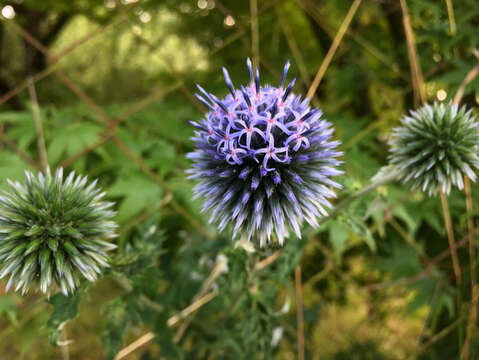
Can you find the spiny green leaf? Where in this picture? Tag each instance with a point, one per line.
(65, 308)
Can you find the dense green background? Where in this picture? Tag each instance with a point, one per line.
(115, 97)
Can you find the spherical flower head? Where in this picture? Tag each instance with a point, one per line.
(53, 232)
(264, 160)
(435, 147)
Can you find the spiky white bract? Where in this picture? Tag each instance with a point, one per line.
(435, 146)
(264, 159)
(53, 232)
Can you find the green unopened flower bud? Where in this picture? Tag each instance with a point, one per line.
(52, 232)
(435, 147)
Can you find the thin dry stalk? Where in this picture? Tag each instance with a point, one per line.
(420, 97)
(299, 312)
(145, 339)
(265, 262)
(470, 225)
(416, 73)
(311, 10)
(450, 15)
(23, 85)
(472, 262)
(42, 150)
(218, 269)
(82, 96)
(65, 351)
(172, 321)
(450, 237)
(196, 304)
(469, 77)
(253, 6)
(332, 49)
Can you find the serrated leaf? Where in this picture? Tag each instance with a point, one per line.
(72, 138)
(138, 193)
(65, 308)
(162, 157)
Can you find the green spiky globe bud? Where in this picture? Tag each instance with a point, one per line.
(53, 232)
(435, 147)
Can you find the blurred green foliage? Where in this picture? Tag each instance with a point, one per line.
(376, 282)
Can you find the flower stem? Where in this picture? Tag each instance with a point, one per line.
(450, 15)
(450, 237)
(471, 75)
(472, 263)
(65, 351)
(332, 49)
(299, 312)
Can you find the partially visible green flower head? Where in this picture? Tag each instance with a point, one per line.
(53, 232)
(435, 147)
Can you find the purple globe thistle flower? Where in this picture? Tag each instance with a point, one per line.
(264, 159)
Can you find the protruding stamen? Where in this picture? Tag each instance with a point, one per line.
(229, 83)
(246, 97)
(288, 89)
(203, 101)
(274, 108)
(204, 93)
(309, 114)
(220, 104)
(256, 80)
(198, 126)
(285, 72)
(250, 69)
